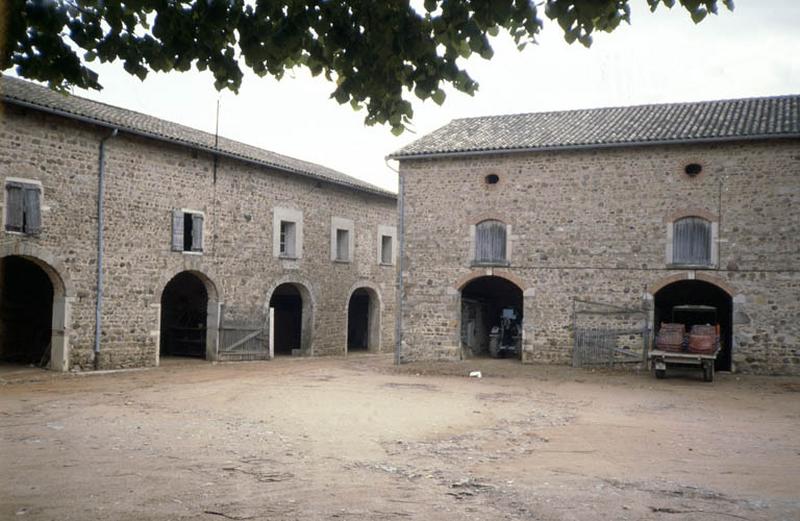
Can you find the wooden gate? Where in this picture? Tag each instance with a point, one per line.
(243, 343)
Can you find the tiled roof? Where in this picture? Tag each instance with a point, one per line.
(20, 92)
(750, 118)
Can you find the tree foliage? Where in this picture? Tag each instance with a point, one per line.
(377, 53)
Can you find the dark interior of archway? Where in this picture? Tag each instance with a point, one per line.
(698, 292)
(184, 309)
(358, 321)
(26, 312)
(482, 302)
(288, 319)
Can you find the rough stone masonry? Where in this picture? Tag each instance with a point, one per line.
(590, 200)
(154, 168)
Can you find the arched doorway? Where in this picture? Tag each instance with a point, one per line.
(290, 305)
(487, 303)
(691, 302)
(363, 320)
(26, 312)
(184, 316)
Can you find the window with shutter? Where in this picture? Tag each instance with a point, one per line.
(32, 210)
(342, 245)
(197, 232)
(490, 242)
(691, 241)
(187, 231)
(287, 239)
(23, 207)
(14, 208)
(386, 249)
(177, 230)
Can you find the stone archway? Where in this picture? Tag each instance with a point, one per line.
(698, 298)
(488, 302)
(61, 297)
(188, 301)
(363, 312)
(290, 317)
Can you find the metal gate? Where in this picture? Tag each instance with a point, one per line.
(605, 334)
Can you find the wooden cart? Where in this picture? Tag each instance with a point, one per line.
(660, 360)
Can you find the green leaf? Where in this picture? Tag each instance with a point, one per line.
(377, 69)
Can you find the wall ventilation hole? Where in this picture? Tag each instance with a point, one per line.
(492, 179)
(693, 169)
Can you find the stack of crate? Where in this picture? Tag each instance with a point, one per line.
(671, 337)
(703, 339)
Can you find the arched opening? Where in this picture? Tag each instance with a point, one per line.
(363, 321)
(692, 302)
(491, 318)
(290, 306)
(26, 312)
(184, 316)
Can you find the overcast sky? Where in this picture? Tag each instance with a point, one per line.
(661, 57)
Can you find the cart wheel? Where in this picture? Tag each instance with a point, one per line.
(661, 373)
(708, 372)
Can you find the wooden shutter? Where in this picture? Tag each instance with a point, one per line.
(197, 232)
(14, 207)
(32, 210)
(490, 242)
(177, 230)
(691, 242)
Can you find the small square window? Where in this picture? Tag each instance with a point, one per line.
(187, 231)
(387, 255)
(287, 233)
(288, 239)
(23, 207)
(342, 245)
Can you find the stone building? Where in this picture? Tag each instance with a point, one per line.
(209, 247)
(606, 222)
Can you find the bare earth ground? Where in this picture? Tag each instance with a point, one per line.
(357, 438)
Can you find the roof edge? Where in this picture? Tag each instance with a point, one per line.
(589, 146)
(640, 105)
(192, 146)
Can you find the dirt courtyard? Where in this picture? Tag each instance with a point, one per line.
(358, 438)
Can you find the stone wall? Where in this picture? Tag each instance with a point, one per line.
(593, 224)
(145, 181)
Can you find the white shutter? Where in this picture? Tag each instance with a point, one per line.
(177, 230)
(197, 232)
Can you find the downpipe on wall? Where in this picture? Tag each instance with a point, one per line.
(98, 308)
(398, 332)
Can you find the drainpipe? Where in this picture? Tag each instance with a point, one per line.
(398, 334)
(101, 181)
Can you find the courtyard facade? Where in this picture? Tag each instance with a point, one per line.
(654, 209)
(209, 248)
